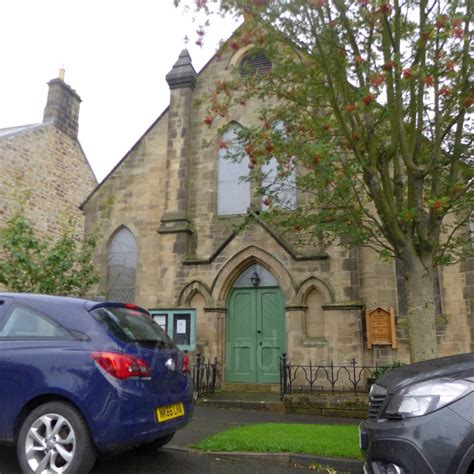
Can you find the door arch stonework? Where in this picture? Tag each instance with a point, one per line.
(226, 277)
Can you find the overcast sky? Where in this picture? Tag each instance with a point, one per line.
(116, 54)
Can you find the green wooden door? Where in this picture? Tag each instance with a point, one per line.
(256, 335)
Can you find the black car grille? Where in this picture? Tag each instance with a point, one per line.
(375, 403)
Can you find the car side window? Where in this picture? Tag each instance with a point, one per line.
(26, 323)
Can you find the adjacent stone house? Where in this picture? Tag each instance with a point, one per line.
(47, 161)
(178, 238)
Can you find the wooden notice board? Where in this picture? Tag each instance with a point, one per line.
(380, 328)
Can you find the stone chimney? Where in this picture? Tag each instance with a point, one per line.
(62, 107)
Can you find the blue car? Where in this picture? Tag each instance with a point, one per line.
(79, 378)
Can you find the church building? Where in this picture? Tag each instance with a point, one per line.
(182, 236)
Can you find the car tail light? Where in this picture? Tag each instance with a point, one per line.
(121, 366)
(185, 363)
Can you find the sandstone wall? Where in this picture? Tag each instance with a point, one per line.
(52, 166)
(204, 255)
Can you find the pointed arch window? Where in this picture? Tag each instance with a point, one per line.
(122, 267)
(233, 188)
(278, 181)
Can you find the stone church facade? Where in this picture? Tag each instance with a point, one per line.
(177, 238)
(46, 161)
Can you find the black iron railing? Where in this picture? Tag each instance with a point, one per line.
(317, 378)
(204, 375)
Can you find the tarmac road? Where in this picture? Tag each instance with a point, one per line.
(174, 459)
(167, 461)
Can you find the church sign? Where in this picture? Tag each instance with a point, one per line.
(380, 328)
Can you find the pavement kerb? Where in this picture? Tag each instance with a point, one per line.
(338, 464)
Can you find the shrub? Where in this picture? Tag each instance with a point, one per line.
(385, 368)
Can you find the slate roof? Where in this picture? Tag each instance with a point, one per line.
(14, 130)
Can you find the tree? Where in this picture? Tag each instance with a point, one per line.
(34, 265)
(376, 98)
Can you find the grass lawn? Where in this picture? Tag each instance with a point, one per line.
(323, 440)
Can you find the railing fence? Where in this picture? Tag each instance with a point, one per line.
(204, 375)
(313, 377)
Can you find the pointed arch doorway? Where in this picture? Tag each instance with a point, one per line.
(255, 328)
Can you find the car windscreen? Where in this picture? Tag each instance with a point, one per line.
(132, 326)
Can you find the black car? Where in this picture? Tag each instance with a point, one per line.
(421, 419)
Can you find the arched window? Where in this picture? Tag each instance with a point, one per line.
(122, 267)
(278, 184)
(233, 191)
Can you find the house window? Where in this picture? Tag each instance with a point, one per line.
(402, 293)
(180, 325)
(233, 190)
(277, 181)
(122, 267)
(254, 62)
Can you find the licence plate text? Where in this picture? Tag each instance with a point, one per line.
(169, 412)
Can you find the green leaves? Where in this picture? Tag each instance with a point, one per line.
(34, 265)
(376, 98)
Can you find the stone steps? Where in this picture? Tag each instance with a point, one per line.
(250, 387)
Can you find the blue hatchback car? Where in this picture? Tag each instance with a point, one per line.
(79, 378)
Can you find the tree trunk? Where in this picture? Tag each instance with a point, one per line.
(421, 309)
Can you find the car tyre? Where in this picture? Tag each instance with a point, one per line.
(55, 436)
(158, 443)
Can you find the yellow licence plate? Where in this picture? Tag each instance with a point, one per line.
(169, 412)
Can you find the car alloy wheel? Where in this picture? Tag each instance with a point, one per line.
(54, 439)
(50, 444)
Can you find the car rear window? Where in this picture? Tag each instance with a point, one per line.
(129, 325)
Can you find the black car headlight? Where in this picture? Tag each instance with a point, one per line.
(425, 397)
